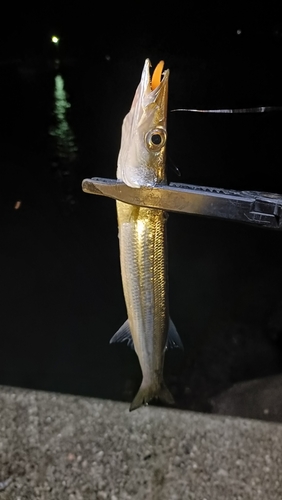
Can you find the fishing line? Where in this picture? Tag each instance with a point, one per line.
(260, 109)
(173, 166)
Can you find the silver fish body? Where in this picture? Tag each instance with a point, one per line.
(142, 239)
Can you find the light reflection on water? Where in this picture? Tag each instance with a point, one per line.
(63, 146)
(61, 130)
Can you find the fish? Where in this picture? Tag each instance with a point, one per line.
(143, 237)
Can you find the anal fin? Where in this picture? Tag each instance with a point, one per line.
(123, 335)
(173, 339)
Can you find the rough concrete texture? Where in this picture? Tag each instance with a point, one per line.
(260, 398)
(61, 447)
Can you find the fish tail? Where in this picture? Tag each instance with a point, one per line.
(147, 392)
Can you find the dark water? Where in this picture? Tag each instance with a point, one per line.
(61, 294)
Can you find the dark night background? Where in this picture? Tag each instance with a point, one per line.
(61, 113)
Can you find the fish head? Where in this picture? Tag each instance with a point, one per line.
(141, 160)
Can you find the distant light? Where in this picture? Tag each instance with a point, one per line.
(55, 39)
(108, 57)
(17, 204)
(239, 32)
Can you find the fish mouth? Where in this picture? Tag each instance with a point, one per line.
(149, 107)
(142, 153)
(157, 75)
(155, 87)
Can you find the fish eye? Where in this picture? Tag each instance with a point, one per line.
(156, 139)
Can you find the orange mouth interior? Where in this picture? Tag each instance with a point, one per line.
(157, 75)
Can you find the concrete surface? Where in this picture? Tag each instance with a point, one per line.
(259, 398)
(62, 447)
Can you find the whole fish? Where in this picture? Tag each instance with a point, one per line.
(142, 236)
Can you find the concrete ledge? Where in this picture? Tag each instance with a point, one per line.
(62, 447)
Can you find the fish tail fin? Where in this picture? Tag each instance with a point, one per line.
(148, 392)
(165, 395)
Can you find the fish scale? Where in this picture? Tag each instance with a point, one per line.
(143, 268)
